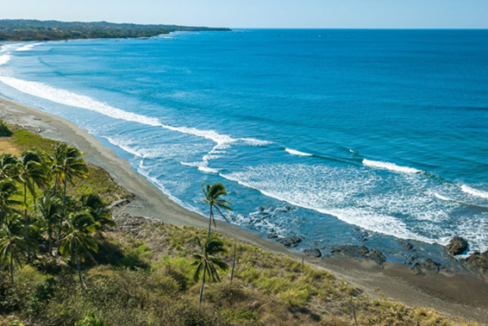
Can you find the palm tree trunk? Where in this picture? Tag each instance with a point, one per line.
(56, 184)
(79, 268)
(64, 195)
(12, 266)
(50, 240)
(203, 281)
(26, 231)
(233, 264)
(209, 225)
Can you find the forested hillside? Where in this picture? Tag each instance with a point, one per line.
(35, 30)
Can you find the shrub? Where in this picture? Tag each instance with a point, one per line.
(4, 130)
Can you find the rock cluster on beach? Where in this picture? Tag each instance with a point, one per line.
(359, 252)
(457, 246)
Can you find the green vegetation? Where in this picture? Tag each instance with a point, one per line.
(89, 268)
(4, 129)
(35, 30)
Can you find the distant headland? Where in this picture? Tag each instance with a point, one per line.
(52, 30)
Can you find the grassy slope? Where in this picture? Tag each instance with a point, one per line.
(142, 276)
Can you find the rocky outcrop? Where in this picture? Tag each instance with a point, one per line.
(430, 266)
(290, 241)
(477, 262)
(313, 253)
(360, 252)
(457, 246)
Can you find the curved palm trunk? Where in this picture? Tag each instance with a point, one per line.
(12, 266)
(203, 281)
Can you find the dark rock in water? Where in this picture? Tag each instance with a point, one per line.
(477, 262)
(272, 235)
(262, 209)
(291, 241)
(313, 253)
(361, 252)
(430, 265)
(406, 245)
(457, 246)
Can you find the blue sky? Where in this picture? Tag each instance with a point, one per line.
(262, 13)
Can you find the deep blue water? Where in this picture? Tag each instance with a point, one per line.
(362, 133)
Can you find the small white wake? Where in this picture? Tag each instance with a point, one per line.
(390, 166)
(475, 192)
(298, 153)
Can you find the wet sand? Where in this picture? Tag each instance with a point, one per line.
(456, 295)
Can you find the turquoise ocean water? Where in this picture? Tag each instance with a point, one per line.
(337, 136)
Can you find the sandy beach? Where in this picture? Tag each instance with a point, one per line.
(457, 295)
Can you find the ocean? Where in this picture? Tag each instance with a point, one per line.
(336, 136)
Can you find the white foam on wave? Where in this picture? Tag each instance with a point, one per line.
(298, 153)
(81, 101)
(397, 205)
(441, 197)
(4, 58)
(124, 147)
(75, 100)
(28, 47)
(474, 192)
(201, 166)
(389, 166)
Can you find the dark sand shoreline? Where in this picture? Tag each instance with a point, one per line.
(455, 295)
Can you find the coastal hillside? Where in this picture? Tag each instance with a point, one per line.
(36, 30)
(71, 255)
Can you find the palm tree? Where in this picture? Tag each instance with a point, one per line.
(50, 208)
(30, 171)
(97, 208)
(13, 243)
(67, 164)
(208, 262)
(212, 197)
(78, 243)
(8, 166)
(7, 190)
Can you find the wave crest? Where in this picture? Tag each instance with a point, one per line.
(474, 192)
(298, 153)
(390, 166)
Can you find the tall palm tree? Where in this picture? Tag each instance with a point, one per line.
(78, 242)
(207, 262)
(8, 166)
(30, 171)
(97, 208)
(212, 198)
(7, 190)
(50, 208)
(67, 164)
(13, 243)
